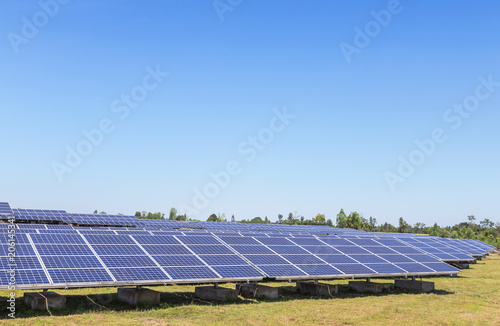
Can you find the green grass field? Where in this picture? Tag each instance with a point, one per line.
(473, 298)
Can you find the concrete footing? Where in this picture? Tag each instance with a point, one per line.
(40, 301)
(462, 265)
(134, 296)
(213, 293)
(254, 291)
(421, 286)
(317, 289)
(371, 287)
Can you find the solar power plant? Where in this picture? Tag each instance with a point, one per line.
(75, 259)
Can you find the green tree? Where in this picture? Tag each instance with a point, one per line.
(173, 214)
(212, 218)
(486, 224)
(341, 219)
(257, 220)
(403, 226)
(319, 219)
(280, 218)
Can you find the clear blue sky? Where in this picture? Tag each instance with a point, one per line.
(226, 76)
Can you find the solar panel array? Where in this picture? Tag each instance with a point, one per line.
(167, 252)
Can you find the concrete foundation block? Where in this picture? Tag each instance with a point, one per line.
(317, 289)
(212, 293)
(473, 262)
(421, 286)
(371, 287)
(40, 301)
(134, 296)
(253, 291)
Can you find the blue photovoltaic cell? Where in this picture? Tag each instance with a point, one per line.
(20, 262)
(239, 240)
(188, 239)
(184, 260)
(266, 259)
(307, 241)
(63, 250)
(365, 242)
(27, 262)
(25, 277)
(134, 232)
(442, 256)
(167, 250)
(210, 250)
(20, 250)
(190, 273)
(109, 239)
(414, 268)
(71, 262)
(118, 250)
(353, 269)
(252, 250)
(423, 258)
(407, 250)
(336, 242)
(138, 274)
(96, 232)
(275, 241)
(127, 261)
(463, 256)
(281, 270)
(237, 271)
(433, 250)
(442, 267)
(397, 259)
(319, 270)
(218, 260)
(391, 243)
(322, 250)
(79, 275)
(157, 239)
(290, 250)
(381, 250)
(20, 238)
(352, 250)
(57, 238)
(385, 268)
(368, 259)
(336, 259)
(303, 259)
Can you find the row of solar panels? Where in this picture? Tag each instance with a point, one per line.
(47, 260)
(129, 220)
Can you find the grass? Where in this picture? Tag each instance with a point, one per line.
(473, 298)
